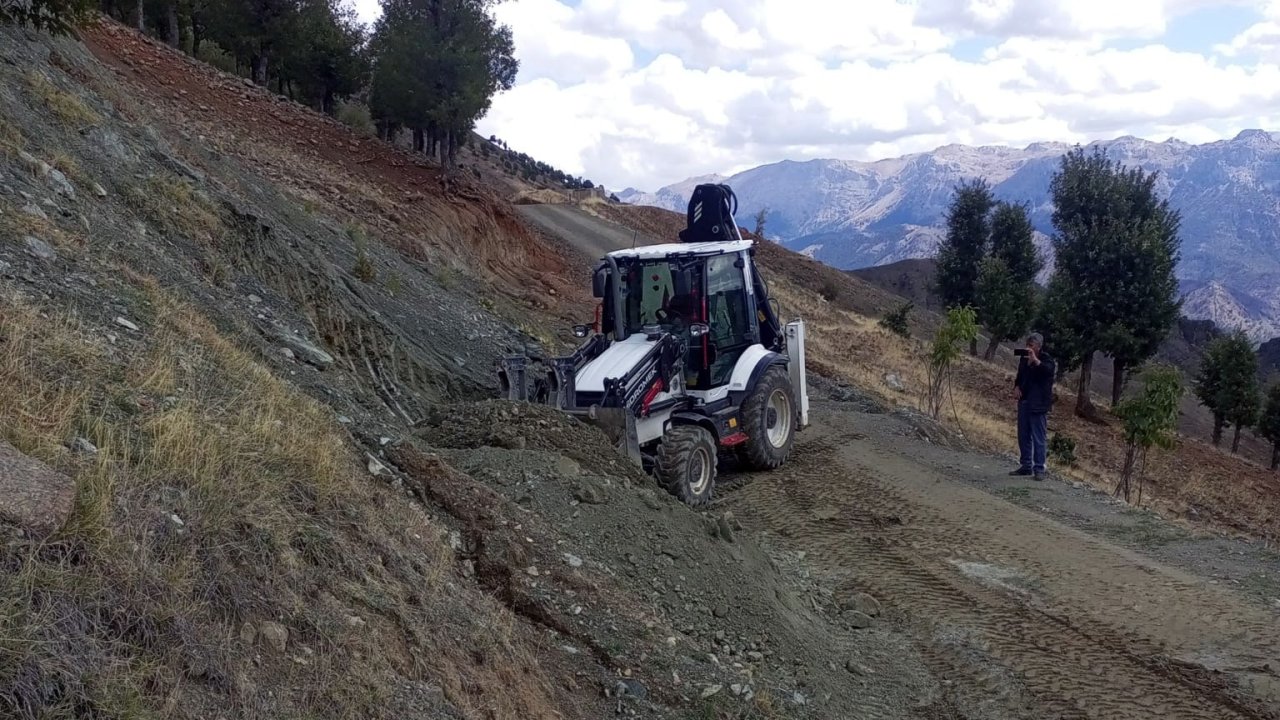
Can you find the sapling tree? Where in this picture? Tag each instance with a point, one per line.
(958, 330)
(1149, 421)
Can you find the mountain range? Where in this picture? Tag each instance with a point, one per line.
(853, 214)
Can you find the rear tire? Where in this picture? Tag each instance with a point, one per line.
(769, 419)
(685, 464)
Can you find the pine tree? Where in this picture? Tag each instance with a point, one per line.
(1116, 246)
(1269, 424)
(56, 16)
(437, 65)
(963, 248)
(1227, 385)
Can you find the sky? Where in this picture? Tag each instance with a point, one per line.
(644, 93)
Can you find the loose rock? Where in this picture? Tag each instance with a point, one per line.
(862, 603)
(724, 528)
(275, 635)
(39, 248)
(33, 495)
(858, 620)
(710, 690)
(126, 324)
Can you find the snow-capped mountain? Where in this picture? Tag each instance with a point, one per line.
(857, 214)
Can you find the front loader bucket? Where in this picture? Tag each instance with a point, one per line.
(620, 427)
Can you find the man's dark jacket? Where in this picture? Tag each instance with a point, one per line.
(1036, 382)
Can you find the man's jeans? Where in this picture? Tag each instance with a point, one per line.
(1033, 431)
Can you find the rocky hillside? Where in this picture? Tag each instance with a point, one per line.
(858, 214)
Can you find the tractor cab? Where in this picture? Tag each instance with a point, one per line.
(704, 293)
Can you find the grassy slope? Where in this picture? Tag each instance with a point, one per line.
(1196, 481)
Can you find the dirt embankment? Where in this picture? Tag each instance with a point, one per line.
(226, 321)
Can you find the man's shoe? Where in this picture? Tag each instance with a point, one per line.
(1039, 477)
(1020, 471)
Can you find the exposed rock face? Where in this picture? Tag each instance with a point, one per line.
(33, 495)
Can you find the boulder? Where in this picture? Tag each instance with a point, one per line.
(33, 495)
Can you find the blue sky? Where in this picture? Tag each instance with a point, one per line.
(648, 92)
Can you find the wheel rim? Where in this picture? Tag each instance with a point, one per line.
(778, 418)
(699, 471)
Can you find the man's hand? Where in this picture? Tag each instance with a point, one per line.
(1032, 357)
(1017, 393)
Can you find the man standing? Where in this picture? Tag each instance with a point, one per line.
(1033, 389)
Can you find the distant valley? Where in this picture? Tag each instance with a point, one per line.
(861, 214)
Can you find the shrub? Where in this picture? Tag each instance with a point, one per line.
(899, 321)
(212, 54)
(356, 116)
(1062, 449)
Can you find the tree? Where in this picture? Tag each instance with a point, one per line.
(960, 326)
(1149, 421)
(1116, 246)
(964, 246)
(56, 16)
(437, 65)
(762, 215)
(1227, 385)
(898, 320)
(1005, 291)
(324, 58)
(1269, 424)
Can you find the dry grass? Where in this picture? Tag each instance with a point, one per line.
(65, 106)
(221, 497)
(69, 167)
(15, 223)
(175, 205)
(11, 138)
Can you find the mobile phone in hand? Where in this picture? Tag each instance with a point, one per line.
(1020, 352)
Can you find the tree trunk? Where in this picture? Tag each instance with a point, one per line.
(171, 13)
(1218, 423)
(260, 65)
(1084, 404)
(327, 104)
(142, 21)
(973, 347)
(197, 35)
(1118, 369)
(1126, 473)
(1275, 455)
(1235, 440)
(991, 348)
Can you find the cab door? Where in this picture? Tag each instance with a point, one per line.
(729, 315)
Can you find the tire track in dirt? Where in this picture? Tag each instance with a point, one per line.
(856, 511)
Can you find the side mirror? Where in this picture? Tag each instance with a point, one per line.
(581, 331)
(699, 329)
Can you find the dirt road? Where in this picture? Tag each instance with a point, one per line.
(1021, 613)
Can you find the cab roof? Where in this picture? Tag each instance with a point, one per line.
(703, 249)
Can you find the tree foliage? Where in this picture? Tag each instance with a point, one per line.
(1269, 424)
(1149, 421)
(898, 320)
(1116, 248)
(959, 328)
(965, 244)
(56, 16)
(437, 65)
(1228, 386)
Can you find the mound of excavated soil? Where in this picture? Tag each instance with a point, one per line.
(682, 601)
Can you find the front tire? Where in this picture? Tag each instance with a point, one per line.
(685, 464)
(769, 418)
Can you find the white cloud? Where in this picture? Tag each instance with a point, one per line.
(648, 92)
